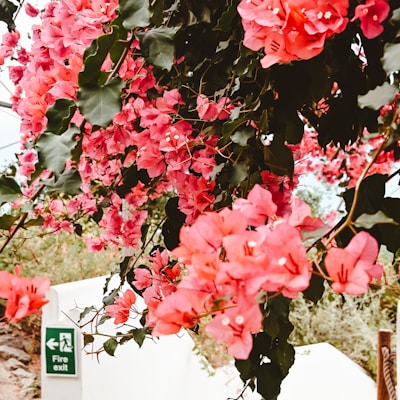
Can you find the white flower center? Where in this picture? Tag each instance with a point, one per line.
(282, 261)
(239, 319)
(225, 321)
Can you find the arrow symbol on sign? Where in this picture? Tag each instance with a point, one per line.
(52, 344)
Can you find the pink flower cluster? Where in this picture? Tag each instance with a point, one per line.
(337, 164)
(120, 311)
(353, 268)
(157, 282)
(230, 266)
(210, 111)
(162, 144)
(8, 44)
(234, 259)
(50, 69)
(291, 29)
(158, 140)
(371, 15)
(24, 296)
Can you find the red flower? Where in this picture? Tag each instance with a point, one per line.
(24, 296)
(258, 206)
(288, 269)
(180, 309)
(121, 309)
(290, 30)
(353, 267)
(235, 326)
(371, 14)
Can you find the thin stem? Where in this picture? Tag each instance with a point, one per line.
(240, 396)
(146, 244)
(319, 271)
(120, 60)
(349, 219)
(397, 172)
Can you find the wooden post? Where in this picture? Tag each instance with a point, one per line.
(384, 340)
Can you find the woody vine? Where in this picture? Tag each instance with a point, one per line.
(181, 129)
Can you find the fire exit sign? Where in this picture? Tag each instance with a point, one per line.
(60, 351)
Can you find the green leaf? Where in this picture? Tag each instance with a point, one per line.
(279, 159)
(269, 379)
(315, 290)
(110, 346)
(110, 298)
(271, 325)
(86, 311)
(54, 150)
(158, 11)
(139, 335)
(99, 104)
(391, 58)
(245, 369)
(68, 182)
(94, 57)
(378, 97)
(34, 222)
(135, 13)
(7, 11)
(59, 115)
(87, 339)
(242, 135)
(227, 18)
(7, 221)
(158, 46)
(263, 123)
(229, 127)
(9, 189)
(371, 195)
(124, 267)
(367, 221)
(239, 173)
(396, 15)
(103, 319)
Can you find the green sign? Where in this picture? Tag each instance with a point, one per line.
(60, 351)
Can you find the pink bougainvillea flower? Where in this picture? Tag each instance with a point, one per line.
(206, 109)
(5, 284)
(301, 218)
(31, 10)
(143, 278)
(121, 309)
(10, 39)
(208, 230)
(371, 14)
(353, 267)
(169, 101)
(290, 30)
(25, 296)
(235, 326)
(27, 162)
(258, 206)
(210, 110)
(288, 270)
(180, 309)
